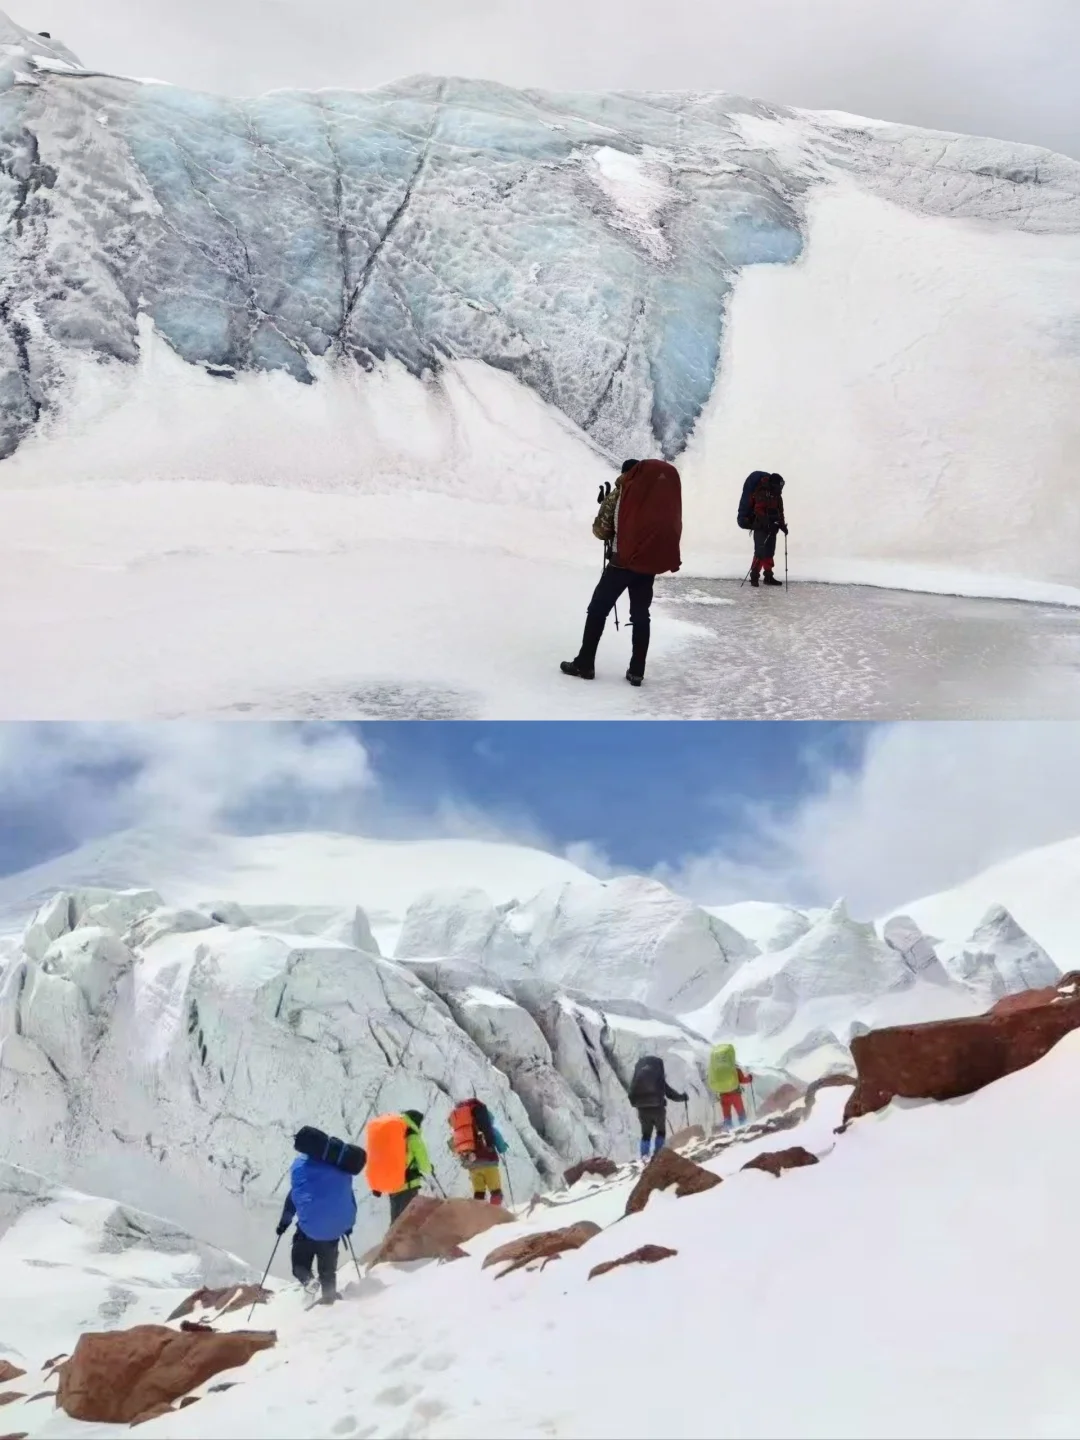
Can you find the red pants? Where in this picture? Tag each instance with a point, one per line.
(732, 1101)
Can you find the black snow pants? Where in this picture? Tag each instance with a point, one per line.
(610, 586)
(765, 543)
(305, 1252)
(653, 1120)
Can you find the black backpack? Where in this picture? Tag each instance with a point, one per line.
(746, 514)
(317, 1145)
(648, 1085)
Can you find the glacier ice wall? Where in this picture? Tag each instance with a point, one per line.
(587, 244)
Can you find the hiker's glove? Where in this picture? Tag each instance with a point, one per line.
(784, 529)
(282, 1228)
(377, 1194)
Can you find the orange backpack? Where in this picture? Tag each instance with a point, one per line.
(387, 1153)
(463, 1129)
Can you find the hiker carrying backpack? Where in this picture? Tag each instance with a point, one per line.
(322, 1203)
(476, 1141)
(640, 521)
(726, 1081)
(649, 1093)
(397, 1158)
(761, 509)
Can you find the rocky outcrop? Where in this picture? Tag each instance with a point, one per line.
(434, 1229)
(8, 1397)
(949, 1058)
(777, 1161)
(596, 1165)
(532, 1248)
(688, 1136)
(998, 959)
(643, 1255)
(117, 1377)
(9, 1372)
(781, 1099)
(666, 1170)
(222, 1302)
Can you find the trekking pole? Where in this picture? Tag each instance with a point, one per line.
(686, 1108)
(355, 1261)
(785, 560)
(266, 1272)
(746, 577)
(509, 1187)
(436, 1181)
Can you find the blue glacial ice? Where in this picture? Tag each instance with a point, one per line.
(430, 220)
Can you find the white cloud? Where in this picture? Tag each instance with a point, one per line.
(994, 67)
(191, 775)
(932, 805)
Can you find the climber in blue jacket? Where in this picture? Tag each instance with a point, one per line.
(322, 1202)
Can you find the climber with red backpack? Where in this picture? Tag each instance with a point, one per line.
(640, 523)
(477, 1143)
(397, 1158)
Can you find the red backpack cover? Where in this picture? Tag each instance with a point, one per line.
(648, 521)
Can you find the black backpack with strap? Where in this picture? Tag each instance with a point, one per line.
(649, 1084)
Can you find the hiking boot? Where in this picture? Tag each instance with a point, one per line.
(328, 1297)
(575, 667)
(634, 679)
(754, 581)
(770, 579)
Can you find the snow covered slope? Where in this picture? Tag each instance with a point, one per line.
(71, 1262)
(1040, 889)
(882, 1246)
(449, 288)
(314, 869)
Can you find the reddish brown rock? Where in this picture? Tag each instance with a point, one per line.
(432, 1229)
(665, 1170)
(686, 1136)
(7, 1396)
(117, 1376)
(20, 1435)
(188, 1400)
(644, 1255)
(235, 1297)
(9, 1372)
(524, 1251)
(945, 1059)
(597, 1165)
(782, 1098)
(43, 1395)
(776, 1161)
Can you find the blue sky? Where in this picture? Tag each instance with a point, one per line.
(641, 793)
(803, 813)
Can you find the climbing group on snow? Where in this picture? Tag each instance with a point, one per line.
(640, 524)
(322, 1203)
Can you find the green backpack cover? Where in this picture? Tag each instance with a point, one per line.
(723, 1070)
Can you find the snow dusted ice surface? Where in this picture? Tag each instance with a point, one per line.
(276, 367)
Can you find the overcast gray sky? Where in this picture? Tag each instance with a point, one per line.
(995, 67)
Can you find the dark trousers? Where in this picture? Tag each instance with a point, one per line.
(400, 1202)
(653, 1119)
(305, 1252)
(764, 548)
(611, 585)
